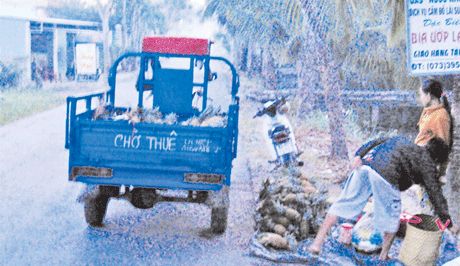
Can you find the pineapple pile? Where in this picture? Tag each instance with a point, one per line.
(211, 117)
(290, 208)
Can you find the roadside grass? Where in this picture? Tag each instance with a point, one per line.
(16, 104)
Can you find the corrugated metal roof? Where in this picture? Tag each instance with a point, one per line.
(55, 21)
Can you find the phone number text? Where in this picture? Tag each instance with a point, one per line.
(436, 66)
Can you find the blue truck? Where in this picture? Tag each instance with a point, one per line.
(142, 160)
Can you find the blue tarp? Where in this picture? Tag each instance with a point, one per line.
(334, 253)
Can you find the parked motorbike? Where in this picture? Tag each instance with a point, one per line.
(70, 73)
(279, 135)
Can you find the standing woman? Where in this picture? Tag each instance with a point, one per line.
(436, 121)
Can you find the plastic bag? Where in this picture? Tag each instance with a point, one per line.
(365, 237)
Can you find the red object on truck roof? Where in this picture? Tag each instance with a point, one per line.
(176, 45)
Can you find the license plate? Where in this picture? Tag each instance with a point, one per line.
(284, 148)
(89, 171)
(203, 178)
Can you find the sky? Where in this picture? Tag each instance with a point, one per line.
(43, 2)
(199, 2)
(23, 2)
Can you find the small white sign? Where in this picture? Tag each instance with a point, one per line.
(433, 37)
(86, 56)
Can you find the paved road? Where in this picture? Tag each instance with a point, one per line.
(43, 224)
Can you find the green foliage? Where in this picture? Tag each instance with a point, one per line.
(10, 75)
(16, 104)
(365, 38)
(276, 25)
(319, 120)
(142, 16)
(138, 12)
(71, 9)
(224, 40)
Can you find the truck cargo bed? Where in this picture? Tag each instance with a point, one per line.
(151, 155)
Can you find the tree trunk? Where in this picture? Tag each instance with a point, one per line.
(268, 70)
(125, 28)
(331, 83)
(255, 68)
(104, 13)
(106, 49)
(244, 57)
(453, 179)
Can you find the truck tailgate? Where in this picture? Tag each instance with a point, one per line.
(151, 155)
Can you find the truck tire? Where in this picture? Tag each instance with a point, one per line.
(95, 207)
(219, 219)
(143, 198)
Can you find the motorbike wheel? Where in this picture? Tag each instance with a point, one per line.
(95, 207)
(219, 219)
(70, 77)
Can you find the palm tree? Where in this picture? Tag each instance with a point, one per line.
(394, 53)
(105, 11)
(347, 41)
(260, 23)
(277, 26)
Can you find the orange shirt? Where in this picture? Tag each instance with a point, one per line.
(434, 122)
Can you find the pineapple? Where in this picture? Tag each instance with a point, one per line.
(100, 111)
(170, 119)
(153, 116)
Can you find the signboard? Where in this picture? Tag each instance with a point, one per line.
(433, 37)
(86, 57)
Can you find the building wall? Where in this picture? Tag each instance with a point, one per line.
(51, 41)
(15, 44)
(13, 39)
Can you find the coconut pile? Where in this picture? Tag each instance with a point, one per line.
(290, 208)
(210, 117)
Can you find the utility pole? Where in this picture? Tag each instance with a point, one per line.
(125, 30)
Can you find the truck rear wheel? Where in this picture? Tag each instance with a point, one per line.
(95, 207)
(219, 219)
(143, 198)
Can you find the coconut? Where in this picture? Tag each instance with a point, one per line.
(310, 190)
(273, 240)
(304, 228)
(291, 197)
(293, 215)
(290, 205)
(280, 230)
(283, 220)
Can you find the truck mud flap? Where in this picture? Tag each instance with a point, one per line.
(219, 198)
